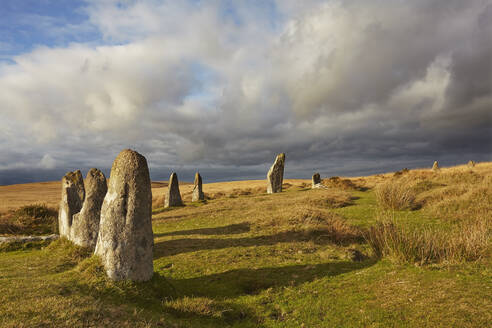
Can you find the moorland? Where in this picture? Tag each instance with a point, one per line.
(403, 249)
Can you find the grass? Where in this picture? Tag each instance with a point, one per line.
(395, 195)
(29, 220)
(247, 259)
(425, 245)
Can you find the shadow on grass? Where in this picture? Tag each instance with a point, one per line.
(226, 230)
(179, 216)
(160, 210)
(319, 237)
(157, 298)
(207, 300)
(252, 281)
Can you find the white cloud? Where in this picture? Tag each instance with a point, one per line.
(47, 162)
(189, 83)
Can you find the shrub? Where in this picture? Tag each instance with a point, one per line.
(395, 195)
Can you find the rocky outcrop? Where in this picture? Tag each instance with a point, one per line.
(125, 241)
(197, 194)
(72, 198)
(275, 175)
(173, 197)
(316, 181)
(85, 225)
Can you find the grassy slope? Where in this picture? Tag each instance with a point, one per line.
(254, 260)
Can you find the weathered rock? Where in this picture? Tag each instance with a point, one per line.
(85, 225)
(435, 166)
(173, 197)
(27, 239)
(72, 198)
(275, 175)
(125, 241)
(471, 164)
(197, 189)
(316, 180)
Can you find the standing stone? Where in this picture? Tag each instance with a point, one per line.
(125, 242)
(435, 167)
(173, 196)
(72, 198)
(471, 164)
(85, 225)
(275, 175)
(197, 189)
(316, 180)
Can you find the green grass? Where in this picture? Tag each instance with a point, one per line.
(250, 261)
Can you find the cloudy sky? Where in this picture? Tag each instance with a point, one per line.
(345, 87)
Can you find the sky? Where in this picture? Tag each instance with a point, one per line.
(344, 88)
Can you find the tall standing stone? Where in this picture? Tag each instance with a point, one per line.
(435, 166)
(72, 198)
(275, 175)
(85, 225)
(173, 197)
(125, 242)
(197, 189)
(316, 180)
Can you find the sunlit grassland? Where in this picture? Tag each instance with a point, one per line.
(248, 259)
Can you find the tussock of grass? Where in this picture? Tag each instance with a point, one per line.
(395, 194)
(72, 252)
(30, 220)
(339, 183)
(425, 245)
(236, 192)
(330, 199)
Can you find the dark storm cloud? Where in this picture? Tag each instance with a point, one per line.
(343, 87)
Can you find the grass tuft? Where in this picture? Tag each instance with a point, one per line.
(395, 195)
(426, 245)
(30, 220)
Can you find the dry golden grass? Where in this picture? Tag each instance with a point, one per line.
(243, 258)
(341, 183)
(457, 192)
(468, 241)
(461, 194)
(395, 195)
(215, 190)
(15, 196)
(29, 219)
